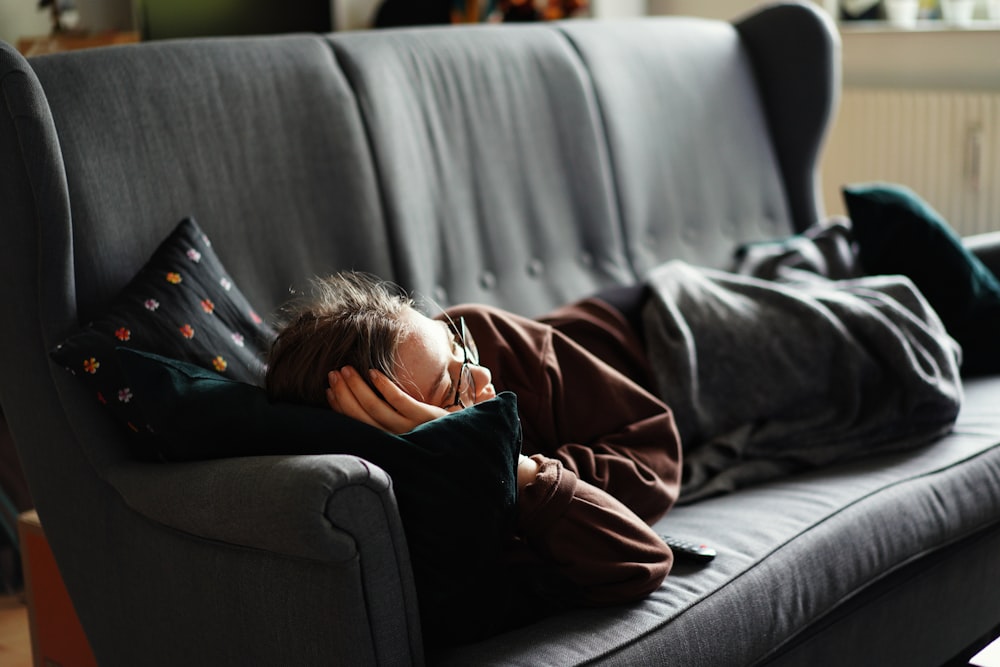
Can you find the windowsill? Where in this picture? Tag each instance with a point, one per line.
(932, 55)
(922, 26)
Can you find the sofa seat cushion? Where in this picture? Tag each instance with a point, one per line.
(772, 577)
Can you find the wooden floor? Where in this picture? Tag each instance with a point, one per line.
(15, 641)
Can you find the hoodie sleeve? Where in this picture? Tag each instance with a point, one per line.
(603, 425)
(610, 431)
(600, 552)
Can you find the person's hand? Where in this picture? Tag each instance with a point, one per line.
(527, 469)
(395, 411)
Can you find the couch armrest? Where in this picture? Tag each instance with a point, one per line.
(331, 508)
(275, 503)
(987, 248)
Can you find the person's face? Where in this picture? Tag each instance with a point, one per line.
(430, 359)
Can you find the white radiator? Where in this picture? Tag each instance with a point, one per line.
(945, 145)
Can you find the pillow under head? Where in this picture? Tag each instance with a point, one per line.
(454, 477)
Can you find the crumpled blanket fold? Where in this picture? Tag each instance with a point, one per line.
(770, 376)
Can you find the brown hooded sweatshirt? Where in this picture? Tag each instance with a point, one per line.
(608, 450)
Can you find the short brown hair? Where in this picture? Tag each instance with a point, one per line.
(351, 319)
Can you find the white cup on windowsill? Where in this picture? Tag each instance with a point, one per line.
(902, 13)
(958, 12)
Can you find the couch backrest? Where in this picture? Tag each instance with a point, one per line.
(528, 167)
(518, 166)
(692, 153)
(489, 148)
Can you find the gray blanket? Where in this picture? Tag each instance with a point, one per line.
(769, 376)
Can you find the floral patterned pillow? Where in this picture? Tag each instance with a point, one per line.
(182, 304)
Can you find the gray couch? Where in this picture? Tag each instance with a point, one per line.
(517, 166)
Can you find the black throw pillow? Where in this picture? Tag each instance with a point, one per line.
(454, 477)
(899, 233)
(182, 304)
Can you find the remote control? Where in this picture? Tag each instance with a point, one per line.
(685, 550)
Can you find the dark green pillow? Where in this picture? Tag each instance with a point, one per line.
(454, 478)
(899, 233)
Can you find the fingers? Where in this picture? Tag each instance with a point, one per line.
(342, 399)
(415, 411)
(527, 470)
(397, 412)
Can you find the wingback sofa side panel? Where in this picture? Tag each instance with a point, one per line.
(800, 95)
(33, 187)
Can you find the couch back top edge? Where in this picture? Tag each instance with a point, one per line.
(508, 165)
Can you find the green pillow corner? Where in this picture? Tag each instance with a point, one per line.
(897, 232)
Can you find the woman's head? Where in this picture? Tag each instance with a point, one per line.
(352, 319)
(359, 321)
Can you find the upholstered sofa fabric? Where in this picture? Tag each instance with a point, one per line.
(521, 166)
(480, 137)
(827, 536)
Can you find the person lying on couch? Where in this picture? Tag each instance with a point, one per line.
(757, 377)
(600, 453)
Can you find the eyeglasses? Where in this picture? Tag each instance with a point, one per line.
(465, 389)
